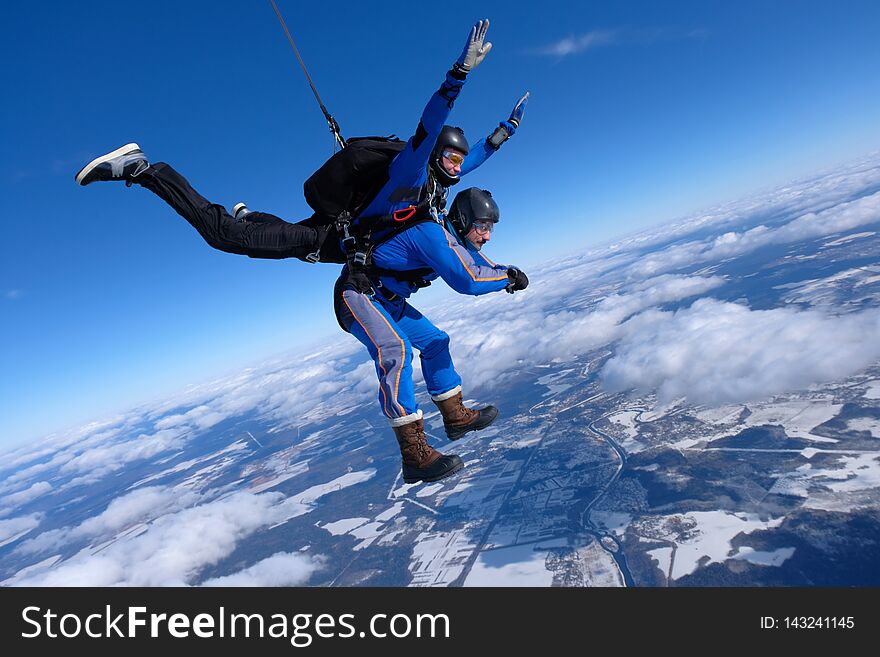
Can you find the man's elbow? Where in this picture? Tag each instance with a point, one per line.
(463, 286)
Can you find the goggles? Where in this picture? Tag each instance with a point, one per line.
(455, 158)
(485, 227)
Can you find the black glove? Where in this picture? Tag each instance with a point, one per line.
(358, 281)
(518, 280)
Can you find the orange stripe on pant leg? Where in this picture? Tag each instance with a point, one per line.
(402, 355)
(379, 353)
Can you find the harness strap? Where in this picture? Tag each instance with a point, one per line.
(399, 219)
(416, 276)
(358, 242)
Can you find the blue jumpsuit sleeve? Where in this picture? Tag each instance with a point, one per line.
(481, 259)
(479, 153)
(454, 263)
(408, 171)
(414, 158)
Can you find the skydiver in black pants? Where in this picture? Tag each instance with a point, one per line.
(254, 234)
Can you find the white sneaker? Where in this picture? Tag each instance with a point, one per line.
(239, 210)
(125, 163)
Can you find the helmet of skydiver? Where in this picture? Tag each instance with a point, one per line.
(450, 137)
(470, 206)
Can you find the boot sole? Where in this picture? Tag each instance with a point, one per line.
(448, 473)
(87, 169)
(463, 432)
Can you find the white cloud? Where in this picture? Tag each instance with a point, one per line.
(58, 449)
(140, 505)
(715, 352)
(12, 500)
(106, 458)
(843, 216)
(176, 546)
(281, 569)
(13, 527)
(295, 390)
(575, 44)
(173, 550)
(526, 333)
(811, 195)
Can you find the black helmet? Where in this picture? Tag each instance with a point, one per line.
(472, 205)
(450, 137)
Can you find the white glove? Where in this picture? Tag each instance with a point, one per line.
(474, 51)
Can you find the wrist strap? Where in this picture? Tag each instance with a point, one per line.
(498, 137)
(458, 71)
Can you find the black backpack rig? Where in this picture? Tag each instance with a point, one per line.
(340, 190)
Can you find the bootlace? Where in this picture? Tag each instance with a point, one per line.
(422, 447)
(464, 412)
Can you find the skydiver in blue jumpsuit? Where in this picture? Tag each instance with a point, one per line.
(432, 161)
(371, 303)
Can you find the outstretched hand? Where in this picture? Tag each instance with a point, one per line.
(506, 129)
(516, 114)
(474, 50)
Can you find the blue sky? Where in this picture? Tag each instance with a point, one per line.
(640, 112)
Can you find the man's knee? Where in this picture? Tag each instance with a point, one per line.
(438, 344)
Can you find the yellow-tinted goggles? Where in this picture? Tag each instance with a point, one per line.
(455, 158)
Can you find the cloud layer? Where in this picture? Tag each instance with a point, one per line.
(177, 543)
(838, 218)
(528, 332)
(618, 297)
(715, 352)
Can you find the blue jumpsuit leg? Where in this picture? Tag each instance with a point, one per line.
(433, 346)
(391, 351)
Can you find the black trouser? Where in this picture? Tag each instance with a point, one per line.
(263, 235)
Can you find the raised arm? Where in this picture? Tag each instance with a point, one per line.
(487, 147)
(418, 149)
(408, 171)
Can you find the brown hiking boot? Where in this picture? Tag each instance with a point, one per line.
(421, 462)
(458, 419)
